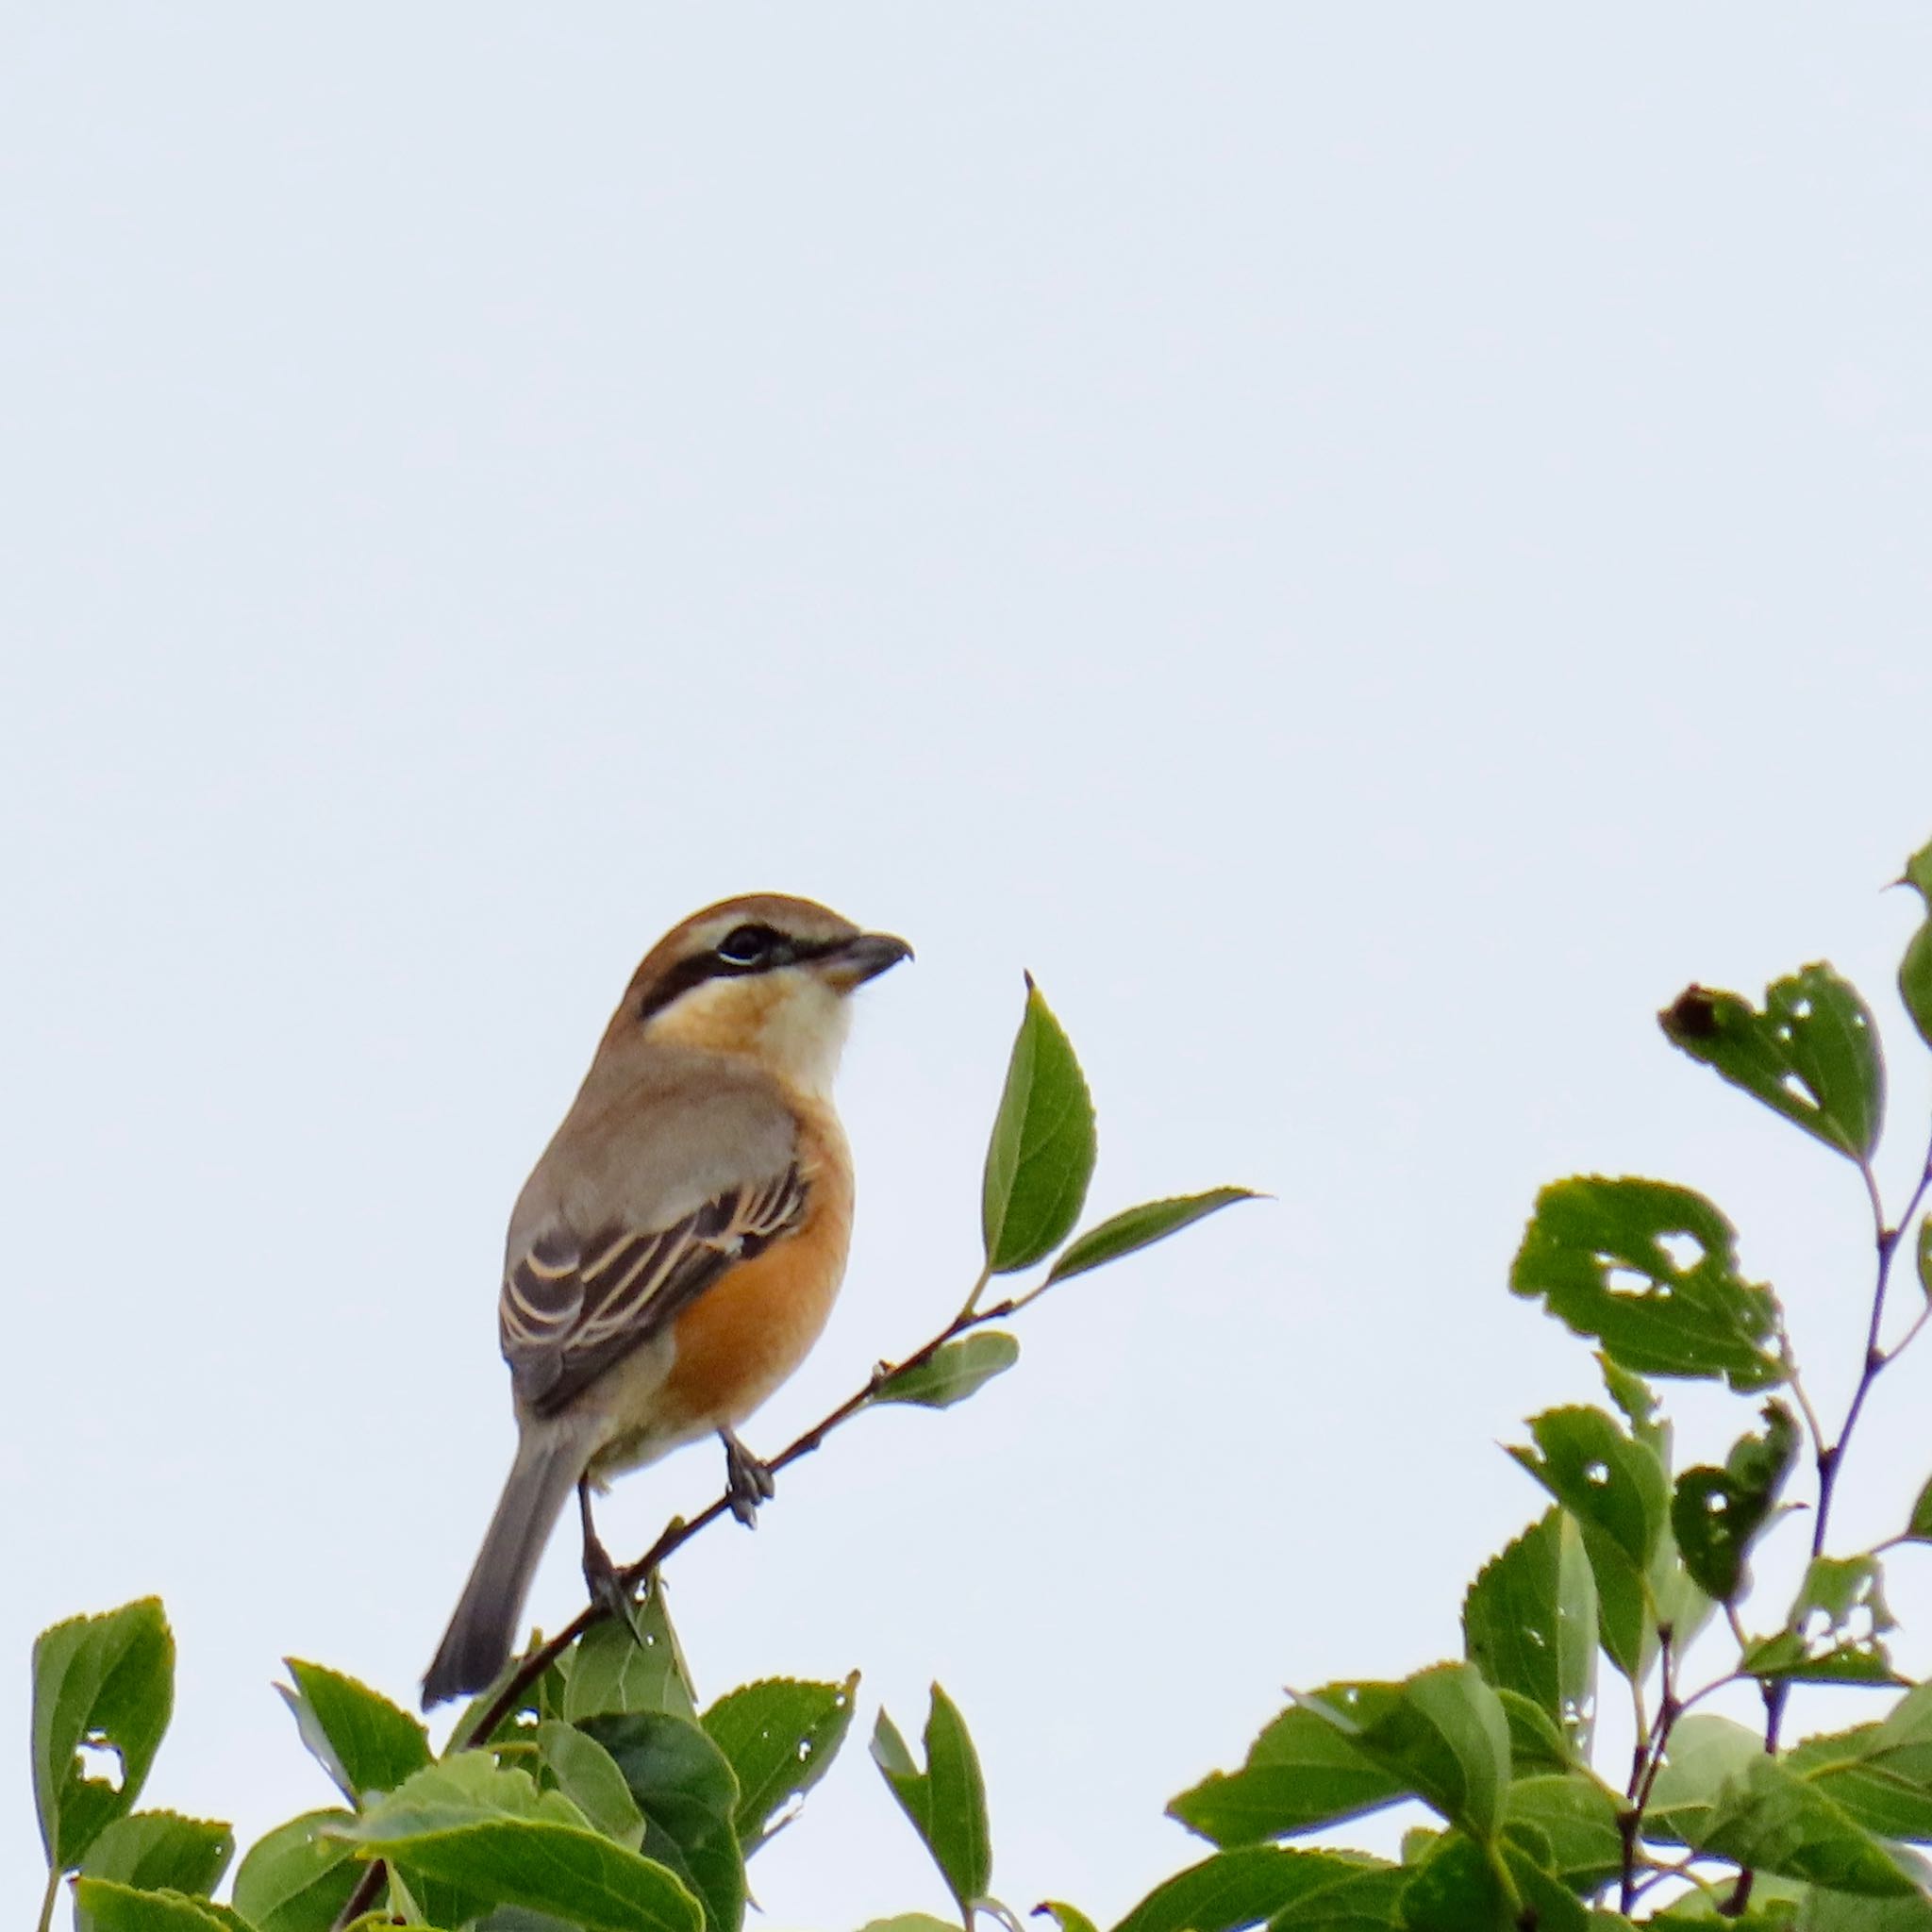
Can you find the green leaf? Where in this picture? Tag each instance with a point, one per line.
(1719, 1792)
(1463, 1887)
(1442, 1732)
(108, 1906)
(1833, 1633)
(1040, 1156)
(910, 1921)
(1704, 1753)
(780, 1737)
(688, 1793)
(591, 1778)
(490, 1831)
(1301, 1773)
(160, 1851)
(104, 1689)
(460, 1789)
(297, 1878)
(1236, 1889)
(1140, 1228)
(1717, 1514)
(1915, 970)
(1651, 1270)
(1766, 1816)
(1636, 1401)
(958, 1369)
(1068, 1918)
(1915, 980)
(1535, 1742)
(1918, 874)
(1880, 1773)
(946, 1802)
(1918, 1530)
(1366, 1899)
(1577, 1820)
(1619, 1494)
(1529, 1624)
(363, 1741)
(610, 1671)
(1811, 1055)
(1925, 1255)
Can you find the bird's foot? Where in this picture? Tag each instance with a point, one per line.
(603, 1579)
(747, 1481)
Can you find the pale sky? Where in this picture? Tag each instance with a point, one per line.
(1366, 547)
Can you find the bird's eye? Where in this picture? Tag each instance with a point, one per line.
(747, 945)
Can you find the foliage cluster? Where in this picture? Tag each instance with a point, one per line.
(589, 1789)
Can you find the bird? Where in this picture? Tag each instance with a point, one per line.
(678, 1247)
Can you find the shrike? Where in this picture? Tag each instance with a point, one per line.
(676, 1250)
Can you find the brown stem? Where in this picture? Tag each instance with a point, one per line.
(1831, 1456)
(365, 1895)
(1646, 1763)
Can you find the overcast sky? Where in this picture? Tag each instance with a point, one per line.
(1365, 547)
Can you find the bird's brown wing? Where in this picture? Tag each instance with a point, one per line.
(571, 1307)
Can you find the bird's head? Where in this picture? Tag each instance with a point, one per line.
(765, 977)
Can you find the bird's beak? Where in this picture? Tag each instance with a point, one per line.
(865, 958)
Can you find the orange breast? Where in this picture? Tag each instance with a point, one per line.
(743, 1337)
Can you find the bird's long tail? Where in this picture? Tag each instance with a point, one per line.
(482, 1632)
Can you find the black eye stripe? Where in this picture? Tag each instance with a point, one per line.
(699, 967)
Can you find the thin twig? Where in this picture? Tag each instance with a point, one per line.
(680, 1531)
(1831, 1456)
(1646, 1761)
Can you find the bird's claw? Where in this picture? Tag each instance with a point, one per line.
(747, 1481)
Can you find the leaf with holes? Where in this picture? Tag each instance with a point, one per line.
(1301, 1773)
(1834, 1632)
(780, 1737)
(1717, 1514)
(357, 1736)
(951, 1373)
(1651, 1270)
(1617, 1489)
(1443, 1733)
(1810, 1055)
(104, 1689)
(1040, 1156)
(946, 1802)
(1529, 1624)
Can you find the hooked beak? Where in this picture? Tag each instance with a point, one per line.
(865, 958)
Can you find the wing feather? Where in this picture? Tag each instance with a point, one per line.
(570, 1309)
